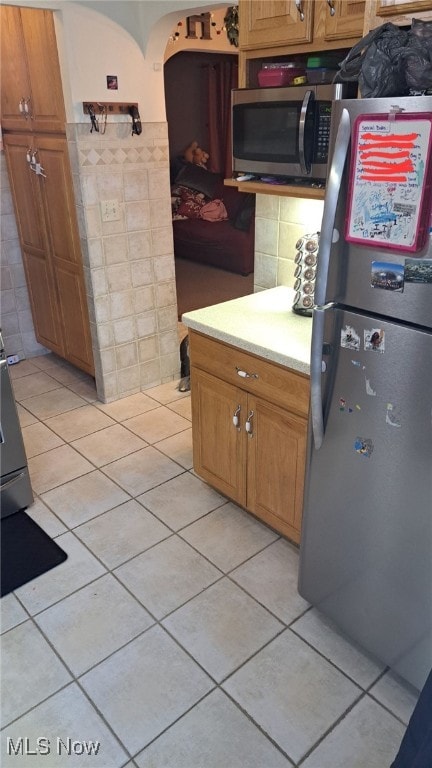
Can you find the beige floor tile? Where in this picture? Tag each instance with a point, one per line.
(78, 423)
(367, 736)
(395, 694)
(246, 536)
(222, 627)
(271, 578)
(39, 439)
(142, 470)
(108, 445)
(54, 402)
(323, 635)
(85, 629)
(178, 448)
(157, 424)
(25, 683)
(86, 497)
(36, 384)
(167, 393)
(122, 533)
(214, 734)
(26, 418)
(85, 388)
(23, 368)
(79, 569)
(40, 513)
(182, 407)
(292, 693)
(128, 407)
(68, 375)
(11, 612)
(193, 499)
(66, 715)
(51, 360)
(145, 687)
(167, 575)
(56, 467)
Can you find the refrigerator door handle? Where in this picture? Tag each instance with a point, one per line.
(334, 179)
(316, 371)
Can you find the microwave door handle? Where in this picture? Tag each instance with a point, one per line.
(334, 179)
(302, 126)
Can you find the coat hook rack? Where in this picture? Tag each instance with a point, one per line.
(111, 107)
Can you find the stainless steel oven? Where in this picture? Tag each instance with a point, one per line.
(15, 488)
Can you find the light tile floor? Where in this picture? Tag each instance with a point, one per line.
(173, 634)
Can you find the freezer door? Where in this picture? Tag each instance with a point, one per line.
(366, 548)
(349, 273)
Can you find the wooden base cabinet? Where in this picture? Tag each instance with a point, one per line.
(249, 431)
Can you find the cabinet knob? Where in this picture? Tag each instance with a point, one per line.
(245, 374)
(299, 6)
(330, 4)
(249, 425)
(236, 418)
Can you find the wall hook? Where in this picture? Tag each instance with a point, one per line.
(93, 118)
(136, 120)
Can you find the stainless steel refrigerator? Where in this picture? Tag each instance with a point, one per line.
(366, 546)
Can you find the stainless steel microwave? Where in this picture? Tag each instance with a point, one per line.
(283, 131)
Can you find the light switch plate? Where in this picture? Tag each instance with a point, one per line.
(110, 210)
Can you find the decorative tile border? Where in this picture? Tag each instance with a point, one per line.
(119, 156)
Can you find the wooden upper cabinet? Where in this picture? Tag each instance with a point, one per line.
(399, 12)
(275, 22)
(31, 93)
(344, 19)
(391, 7)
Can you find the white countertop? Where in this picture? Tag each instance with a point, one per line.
(262, 323)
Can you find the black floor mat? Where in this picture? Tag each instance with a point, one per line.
(26, 552)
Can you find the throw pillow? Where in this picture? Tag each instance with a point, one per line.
(198, 178)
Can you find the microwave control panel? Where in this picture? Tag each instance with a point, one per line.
(322, 131)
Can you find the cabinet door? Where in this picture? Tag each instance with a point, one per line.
(46, 219)
(66, 259)
(274, 22)
(344, 19)
(218, 445)
(29, 212)
(30, 71)
(275, 466)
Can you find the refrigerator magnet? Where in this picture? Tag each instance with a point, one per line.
(389, 200)
(350, 338)
(418, 270)
(363, 446)
(369, 388)
(387, 276)
(392, 415)
(374, 340)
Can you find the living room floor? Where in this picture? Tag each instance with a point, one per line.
(173, 634)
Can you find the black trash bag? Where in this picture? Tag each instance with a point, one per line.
(377, 62)
(417, 56)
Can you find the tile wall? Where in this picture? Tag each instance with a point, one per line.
(279, 223)
(129, 262)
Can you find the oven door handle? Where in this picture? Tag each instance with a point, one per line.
(302, 127)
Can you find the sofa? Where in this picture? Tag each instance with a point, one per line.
(212, 223)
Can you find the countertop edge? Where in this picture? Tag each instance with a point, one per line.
(261, 323)
(267, 353)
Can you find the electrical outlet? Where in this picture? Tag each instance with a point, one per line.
(110, 210)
